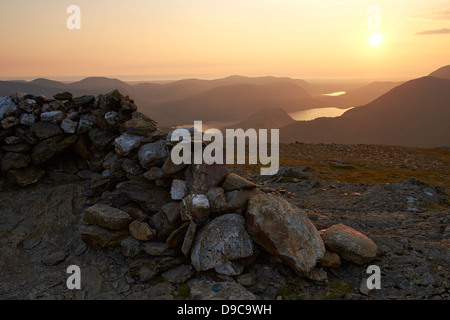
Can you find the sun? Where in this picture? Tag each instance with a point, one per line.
(376, 39)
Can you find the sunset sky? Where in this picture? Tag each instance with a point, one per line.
(170, 39)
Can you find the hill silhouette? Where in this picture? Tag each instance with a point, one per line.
(443, 73)
(416, 113)
(234, 103)
(267, 118)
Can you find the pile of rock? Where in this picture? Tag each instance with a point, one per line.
(168, 219)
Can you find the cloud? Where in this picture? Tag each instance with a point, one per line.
(441, 14)
(428, 32)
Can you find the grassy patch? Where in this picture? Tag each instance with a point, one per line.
(184, 292)
(287, 293)
(337, 290)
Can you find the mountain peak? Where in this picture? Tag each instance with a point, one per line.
(443, 72)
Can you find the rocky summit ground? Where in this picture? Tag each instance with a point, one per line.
(396, 196)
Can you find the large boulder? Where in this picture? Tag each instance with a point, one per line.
(149, 196)
(284, 231)
(350, 244)
(222, 240)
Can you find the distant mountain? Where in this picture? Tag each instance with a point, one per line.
(234, 103)
(362, 95)
(416, 113)
(268, 118)
(443, 73)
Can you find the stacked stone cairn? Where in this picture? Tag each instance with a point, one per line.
(168, 219)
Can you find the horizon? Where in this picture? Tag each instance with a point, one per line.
(147, 41)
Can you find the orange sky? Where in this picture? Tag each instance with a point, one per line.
(149, 39)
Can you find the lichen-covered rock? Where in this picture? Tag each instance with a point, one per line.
(69, 126)
(284, 231)
(222, 240)
(350, 244)
(178, 190)
(127, 142)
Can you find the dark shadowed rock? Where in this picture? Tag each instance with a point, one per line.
(148, 269)
(222, 240)
(50, 147)
(44, 130)
(63, 96)
(12, 160)
(142, 126)
(350, 244)
(217, 200)
(189, 238)
(145, 193)
(285, 231)
(107, 217)
(153, 154)
(100, 138)
(98, 236)
(25, 176)
(201, 289)
(235, 182)
(79, 102)
(202, 177)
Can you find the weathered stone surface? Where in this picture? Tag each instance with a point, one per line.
(7, 108)
(131, 247)
(222, 240)
(63, 96)
(25, 176)
(145, 193)
(154, 173)
(202, 289)
(202, 177)
(172, 212)
(79, 102)
(52, 116)
(142, 126)
(107, 217)
(231, 268)
(44, 130)
(12, 160)
(235, 182)
(158, 249)
(98, 236)
(237, 200)
(176, 238)
(195, 207)
(285, 231)
(179, 274)
(350, 244)
(331, 259)
(189, 238)
(69, 126)
(9, 122)
(100, 138)
(247, 279)
(153, 154)
(127, 142)
(54, 258)
(131, 166)
(141, 230)
(148, 269)
(217, 200)
(27, 119)
(19, 148)
(50, 147)
(170, 168)
(178, 190)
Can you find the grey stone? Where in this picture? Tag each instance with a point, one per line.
(285, 231)
(69, 126)
(202, 289)
(153, 154)
(222, 240)
(235, 182)
(195, 207)
(126, 143)
(44, 130)
(52, 116)
(178, 190)
(179, 274)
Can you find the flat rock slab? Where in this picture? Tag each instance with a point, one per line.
(106, 216)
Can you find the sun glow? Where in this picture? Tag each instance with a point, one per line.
(376, 39)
